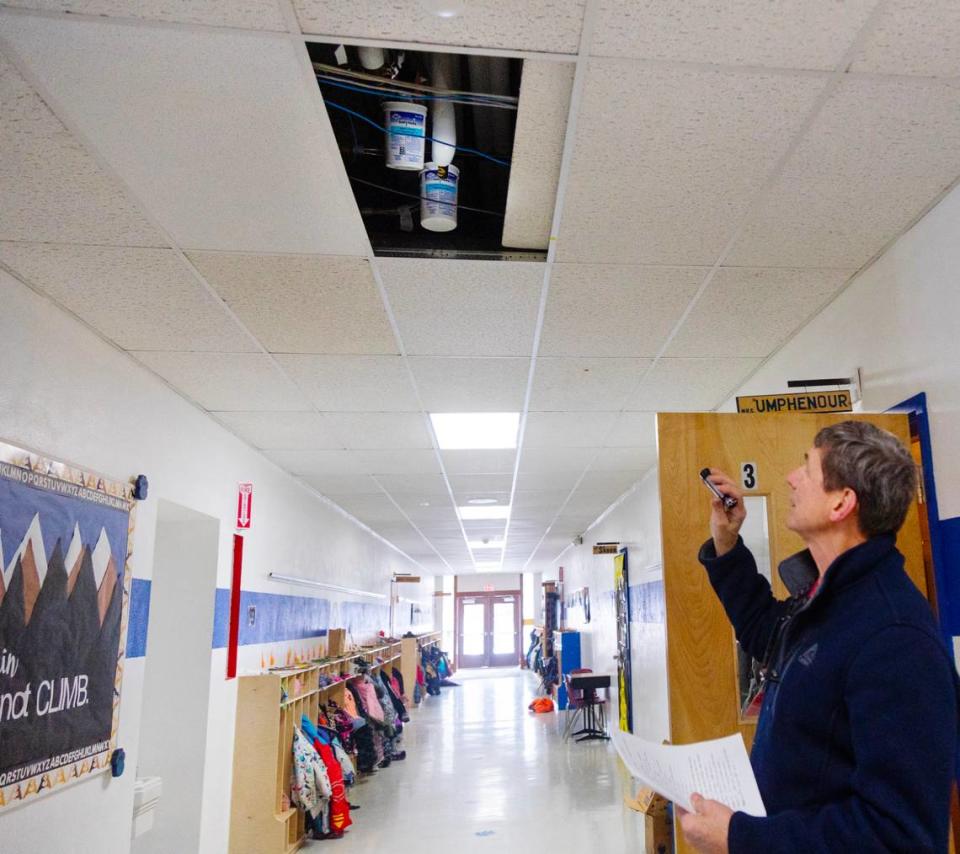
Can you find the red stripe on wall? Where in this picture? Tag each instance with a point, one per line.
(233, 641)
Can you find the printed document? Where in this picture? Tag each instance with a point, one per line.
(719, 770)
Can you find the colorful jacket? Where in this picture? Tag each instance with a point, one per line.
(309, 783)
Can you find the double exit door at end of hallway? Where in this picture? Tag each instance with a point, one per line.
(488, 629)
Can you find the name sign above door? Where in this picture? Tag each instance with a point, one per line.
(820, 401)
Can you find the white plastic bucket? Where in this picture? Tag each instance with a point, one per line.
(406, 126)
(438, 198)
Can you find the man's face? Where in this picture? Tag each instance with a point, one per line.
(810, 504)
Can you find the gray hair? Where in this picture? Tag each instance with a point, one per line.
(876, 466)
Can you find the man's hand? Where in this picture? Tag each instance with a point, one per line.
(725, 524)
(706, 828)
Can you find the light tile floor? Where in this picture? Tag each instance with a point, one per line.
(484, 775)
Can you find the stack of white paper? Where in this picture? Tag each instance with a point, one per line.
(719, 770)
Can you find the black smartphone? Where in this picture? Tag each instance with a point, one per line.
(728, 500)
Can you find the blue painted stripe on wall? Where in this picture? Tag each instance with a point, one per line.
(278, 617)
(647, 603)
(138, 618)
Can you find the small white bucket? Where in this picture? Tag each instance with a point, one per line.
(406, 126)
(438, 198)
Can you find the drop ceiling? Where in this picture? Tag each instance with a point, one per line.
(170, 177)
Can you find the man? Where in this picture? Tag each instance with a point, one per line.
(857, 737)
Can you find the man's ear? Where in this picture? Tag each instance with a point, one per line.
(844, 505)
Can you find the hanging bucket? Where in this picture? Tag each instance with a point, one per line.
(406, 126)
(438, 198)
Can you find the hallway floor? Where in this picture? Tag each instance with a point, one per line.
(483, 774)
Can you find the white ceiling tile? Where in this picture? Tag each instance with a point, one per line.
(542, 481)
(615, 310)
(617, 482)
(584, 384)
(633, 430)
(343, 485)
(555, 459)
(625, 459)
(914, 37)
(302, 304)
(471, 385)
(353, 383)
(464, 308)
(141, 299)
(480, 485)
(52, 189)
(591, 502)
(240, 156)
(682, 385)
(878, 154)
(227, 381)
(883, 128)
(405, 461)
(839, 222)
(246, 14)
(479, 462)
(477, 529)
(440, 511)
(670, 188)
(566, 429)
(314, 464)
(318, 462)
(750, 312)
(809, 34)
(549, 26)
(413, 484)
(527, 501)
(372, 509)
(281, 430)
(537, 152)
(379, 429)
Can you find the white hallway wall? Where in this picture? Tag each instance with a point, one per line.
(66, 393)
(635, 524)
(898, 321)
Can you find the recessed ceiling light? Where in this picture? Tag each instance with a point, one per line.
(481, 501)
(499, 511)
(469, 431)
(443, 8)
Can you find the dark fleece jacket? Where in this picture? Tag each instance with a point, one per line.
(855, 749)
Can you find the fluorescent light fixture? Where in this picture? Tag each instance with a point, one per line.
(496, 511)
(488, 566)
(468, 431)
(481, 501)
(490, 544)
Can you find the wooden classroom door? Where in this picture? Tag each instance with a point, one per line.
(489, 633)
(707, 675)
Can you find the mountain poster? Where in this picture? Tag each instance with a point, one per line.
(65, 537)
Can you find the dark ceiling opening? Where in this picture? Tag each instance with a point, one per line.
(476, 95)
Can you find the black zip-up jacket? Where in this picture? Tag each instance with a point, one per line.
(856, 744)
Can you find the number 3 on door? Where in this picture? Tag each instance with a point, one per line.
(748, 475)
